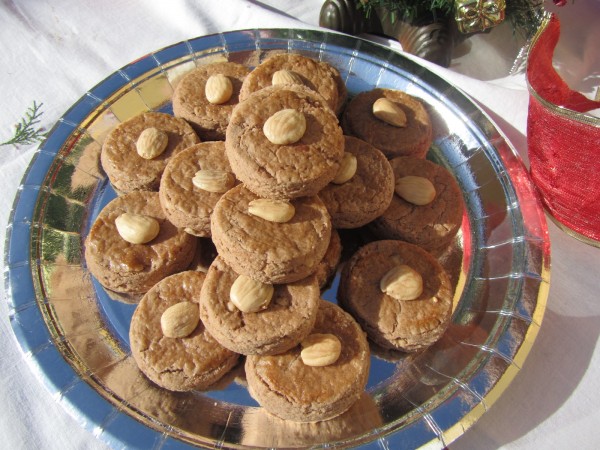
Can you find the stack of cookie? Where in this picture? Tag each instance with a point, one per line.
(268, 165)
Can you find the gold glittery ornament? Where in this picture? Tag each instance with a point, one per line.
(473, 16)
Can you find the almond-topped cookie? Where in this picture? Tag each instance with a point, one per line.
(250, 317)
(318, 379)
(136, 152)
(293, 68)
(391, 120)
(273, 241)
(206, 96)
(131, 245)
(192, 183)
(399, 293)
(284, 142)
(169, 342)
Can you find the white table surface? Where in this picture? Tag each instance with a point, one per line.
(54, 51)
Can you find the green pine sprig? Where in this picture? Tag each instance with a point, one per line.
(26, 131)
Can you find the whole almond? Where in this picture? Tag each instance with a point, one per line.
(416, 190)
(180, 320)
(250, 295)
(151, 143)
(218, 89)
(402, 282)
(390, 112)
(279, 211)
(137, 228)
(347, 169)
(218, 181)
(285, 76)
(319, 350)
(286, 126)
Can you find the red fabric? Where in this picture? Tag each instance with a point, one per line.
(564, 154)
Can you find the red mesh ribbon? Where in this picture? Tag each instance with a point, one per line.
(564, 151)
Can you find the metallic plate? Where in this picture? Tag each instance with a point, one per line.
(76, 337)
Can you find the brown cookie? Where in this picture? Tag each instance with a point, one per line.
(432, 225)
(297, 169)
(288, 388)
(286, 320)
(320, 76)
(134, 268)
(268, 251)
(125, 168)
(195, 361)
(185, 204)
(406, 325)
(327, 268)
(367, 194)
(208, 119)
(413, 139)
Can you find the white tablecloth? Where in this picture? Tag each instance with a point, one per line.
(54, 51)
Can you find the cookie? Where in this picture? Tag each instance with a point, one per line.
(186, 204)
(290, 389)
(284, 170)
(190, 101)
(432, 225)
(406, 320)
(125, 168)
(130, 268)
(268, 251)
(286, 320)
(412, 139)
(193, 361)
(327, 268)
(320, 76)
(367, 194)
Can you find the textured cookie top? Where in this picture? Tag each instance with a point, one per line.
(299, 386)
(319, 76)
(402, 324)
(268, 251)
(413, 139)
(287, 319)
(367, 194)
(178, 364)
(185, 204)
(430, 226)
(190, 102)
(135, 267)
(126, 169)
(284, 170)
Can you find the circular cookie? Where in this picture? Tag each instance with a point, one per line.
(327, 268)
(195, 361)
(432, 225)
(291, 170)
(268, 251)
(288, 388)
(125, 168)
(414, 139)
(320, 76)
(406, 325)
(134, 268)
(209, 120)
(288, 318)
(367, 194)
(186, 205)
